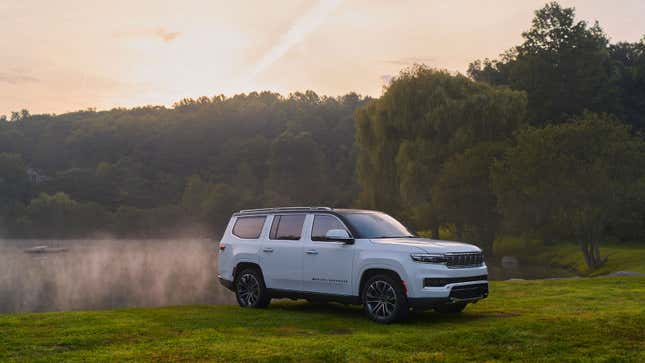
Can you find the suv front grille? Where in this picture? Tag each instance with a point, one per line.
(465, 259)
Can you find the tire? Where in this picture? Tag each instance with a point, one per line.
(384, 299)
(250, 290)
(451, 308)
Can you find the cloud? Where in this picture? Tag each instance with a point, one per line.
(13, 78)
(165, 35)
(161, 33)
(304, 25)
(406, 61)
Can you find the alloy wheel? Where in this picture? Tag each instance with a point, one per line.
(248, 289)
(381, 299)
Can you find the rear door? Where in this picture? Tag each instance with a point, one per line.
(327, 266)
(281, 254)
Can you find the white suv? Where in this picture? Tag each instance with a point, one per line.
(346, 255)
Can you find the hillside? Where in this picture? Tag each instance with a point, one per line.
(598, 319)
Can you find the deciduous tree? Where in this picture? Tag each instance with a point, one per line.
(571, 180)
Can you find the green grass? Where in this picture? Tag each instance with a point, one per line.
(566, 258)
(597, 319)
(620, 257)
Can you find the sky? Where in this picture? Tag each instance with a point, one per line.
(68, 55)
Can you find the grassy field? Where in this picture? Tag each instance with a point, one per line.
(566, 259)
(625, 257)
(596, 319)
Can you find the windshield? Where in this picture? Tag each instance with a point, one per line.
(376, 225)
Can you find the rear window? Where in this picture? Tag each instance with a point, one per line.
(248, 227)
(287, 227)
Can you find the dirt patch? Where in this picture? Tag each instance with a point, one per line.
(288, 330)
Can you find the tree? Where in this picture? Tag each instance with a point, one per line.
(60, 216)
(629, 61)
(14, 182)
(137, 161)
(424, 119)
(563, 64)
(296, 174)
(464, 194)
(195, 193)
(211, 204)
(571, 180)
(221, 202)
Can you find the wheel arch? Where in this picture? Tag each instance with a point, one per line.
(372, 271)
(240, 266)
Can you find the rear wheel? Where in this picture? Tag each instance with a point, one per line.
(250, 290)
(384, 299)
(451, 308)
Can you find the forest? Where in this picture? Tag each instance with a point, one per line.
(545, 142)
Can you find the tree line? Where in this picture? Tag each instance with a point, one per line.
(156, 171)
(545, 141)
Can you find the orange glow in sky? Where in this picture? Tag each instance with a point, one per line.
(71, 54)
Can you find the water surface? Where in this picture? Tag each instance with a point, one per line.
(103, 274)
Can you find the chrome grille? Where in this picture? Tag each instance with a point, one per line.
(466, 259)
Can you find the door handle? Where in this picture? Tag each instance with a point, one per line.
(311, 252)
(267, 249)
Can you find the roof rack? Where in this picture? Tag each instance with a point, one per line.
(282, 209)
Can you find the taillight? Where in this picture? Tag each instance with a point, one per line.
(222, 247)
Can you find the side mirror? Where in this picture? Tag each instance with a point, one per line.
(339, 235)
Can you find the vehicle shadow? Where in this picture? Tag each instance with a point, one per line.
(355, 312)
(337, 309)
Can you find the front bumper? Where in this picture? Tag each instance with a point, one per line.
(418, 275)
(458, 294)
(439, 283)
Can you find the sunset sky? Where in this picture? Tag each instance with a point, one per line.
(59, 56)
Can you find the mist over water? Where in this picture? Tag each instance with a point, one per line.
(103, 274)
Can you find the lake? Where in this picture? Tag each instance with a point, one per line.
(101, 274)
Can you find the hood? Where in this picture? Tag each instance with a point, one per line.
(428, 245)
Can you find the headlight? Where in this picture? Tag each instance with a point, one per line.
(428, 258)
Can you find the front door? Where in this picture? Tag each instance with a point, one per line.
(327, 266)
(281, 254)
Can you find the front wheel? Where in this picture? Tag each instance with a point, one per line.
(384, 299)
(250, 290)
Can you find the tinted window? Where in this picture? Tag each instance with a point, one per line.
(322, 224)
(248, 227)
(287, 226)
(376, 225)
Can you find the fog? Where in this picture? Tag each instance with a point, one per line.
(103, 274)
